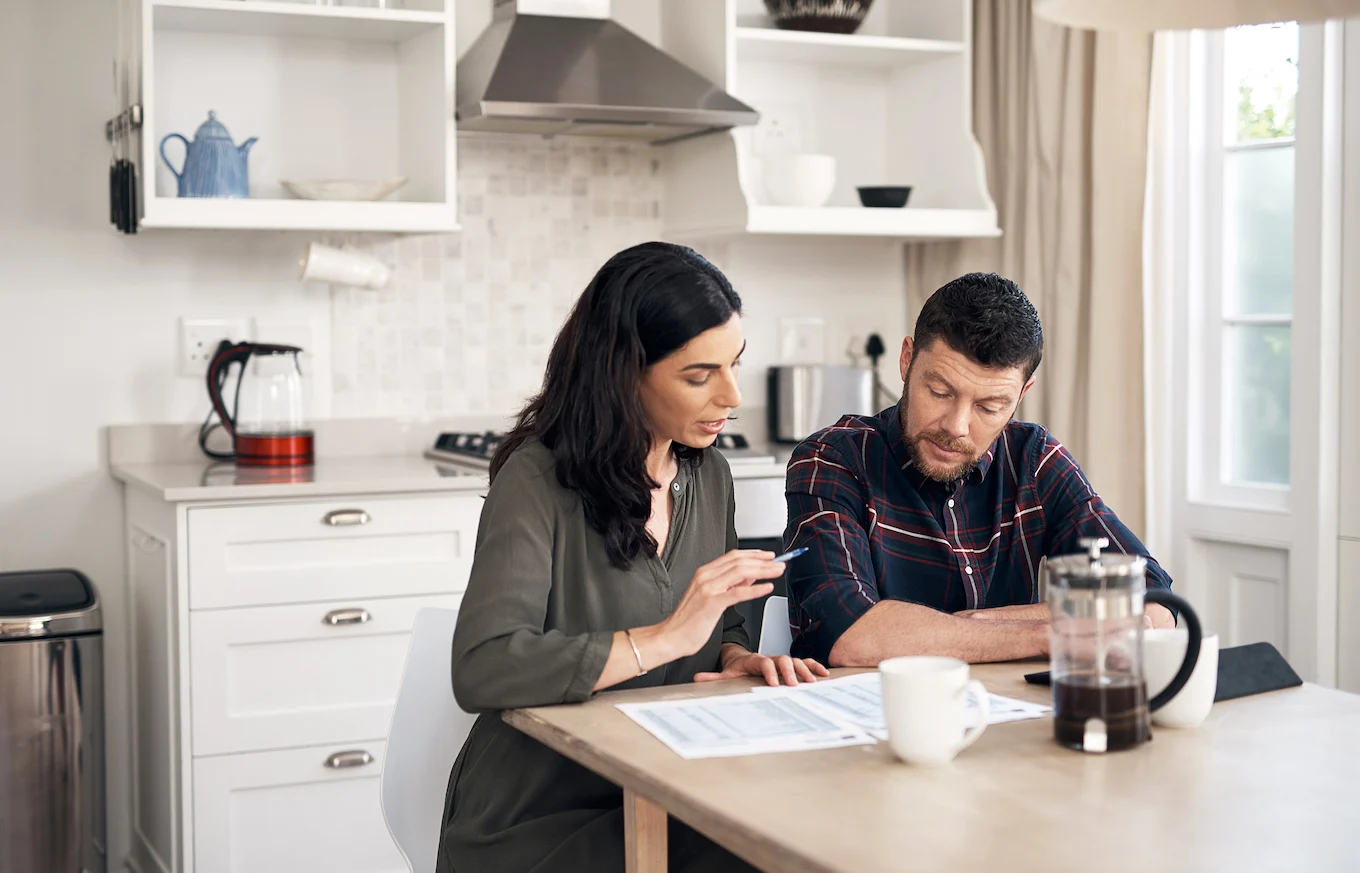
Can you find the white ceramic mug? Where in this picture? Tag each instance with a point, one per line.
(343, 267)
(925, 702)
(1163, 650)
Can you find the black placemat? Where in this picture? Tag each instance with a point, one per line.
(1253, 669)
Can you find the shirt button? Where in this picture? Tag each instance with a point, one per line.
(951, 503)
(968, 570)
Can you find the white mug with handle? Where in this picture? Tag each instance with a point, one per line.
(925, 703)
(1163, 651)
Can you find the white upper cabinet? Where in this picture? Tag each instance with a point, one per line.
(891, 104)
(356, 90)
(363, 91)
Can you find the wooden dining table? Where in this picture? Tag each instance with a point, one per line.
(1268, 782)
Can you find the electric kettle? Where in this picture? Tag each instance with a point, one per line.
(267, 423)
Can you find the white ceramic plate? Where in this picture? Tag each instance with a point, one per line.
(342, 189)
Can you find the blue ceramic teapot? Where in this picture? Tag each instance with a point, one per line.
(214, 166)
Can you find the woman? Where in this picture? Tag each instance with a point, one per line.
(600, 562)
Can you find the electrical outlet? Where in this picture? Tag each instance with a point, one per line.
(802, 340)
(780, 129)
(199, 338)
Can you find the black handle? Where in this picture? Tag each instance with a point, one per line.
(120, 196)
(131, 199)
(1165, 597)
(113, 194)
(227, 353)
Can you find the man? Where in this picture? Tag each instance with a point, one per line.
(926, 523)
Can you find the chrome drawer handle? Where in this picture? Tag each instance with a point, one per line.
(354, 758)
(346, 517)
(337, 617)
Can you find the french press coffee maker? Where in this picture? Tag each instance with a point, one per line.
(1100, 700)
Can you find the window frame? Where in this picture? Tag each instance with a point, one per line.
(1211, 318)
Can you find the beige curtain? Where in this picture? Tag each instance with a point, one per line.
(1061, 116)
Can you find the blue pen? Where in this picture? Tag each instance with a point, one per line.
(789, 556)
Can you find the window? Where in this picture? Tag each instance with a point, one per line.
(1253, 215)
(1255, 168)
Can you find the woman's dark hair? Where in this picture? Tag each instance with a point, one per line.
(644, 304)
(986, 317)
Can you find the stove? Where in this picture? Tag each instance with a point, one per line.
(737, 450)
(476, 449)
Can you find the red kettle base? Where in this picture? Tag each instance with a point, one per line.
(275, 450)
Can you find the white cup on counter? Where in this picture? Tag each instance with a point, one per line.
(925, 703)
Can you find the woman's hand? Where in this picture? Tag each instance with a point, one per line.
(731, 579)
(738, 662)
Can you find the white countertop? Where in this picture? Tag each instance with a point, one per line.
(329, 477)
(765, 470)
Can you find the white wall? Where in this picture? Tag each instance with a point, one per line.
(1348, 559)
(89, 317)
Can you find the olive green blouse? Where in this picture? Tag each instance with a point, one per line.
(535, 628)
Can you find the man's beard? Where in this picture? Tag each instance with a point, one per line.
(944, 441)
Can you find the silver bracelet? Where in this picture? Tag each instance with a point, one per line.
(636, 653)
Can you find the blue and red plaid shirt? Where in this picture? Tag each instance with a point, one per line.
(876, 528)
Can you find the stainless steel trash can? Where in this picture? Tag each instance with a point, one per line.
(51, 724)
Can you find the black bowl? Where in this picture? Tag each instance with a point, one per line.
(824, 16)
(885, 196)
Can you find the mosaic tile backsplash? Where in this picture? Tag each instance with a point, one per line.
(466, 324)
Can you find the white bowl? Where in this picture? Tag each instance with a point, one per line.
(342, 189)
(798, 180)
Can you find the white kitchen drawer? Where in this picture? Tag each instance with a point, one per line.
(274, 677)
(287, 812)
(323, 550)
(762, 511)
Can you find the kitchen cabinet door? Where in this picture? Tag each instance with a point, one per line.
(309, 809)
(274, 677)
(323, 550)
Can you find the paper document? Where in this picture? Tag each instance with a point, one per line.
(858, 700)
(829, 713)
(742, 724)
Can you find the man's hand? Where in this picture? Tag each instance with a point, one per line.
(1158, 616)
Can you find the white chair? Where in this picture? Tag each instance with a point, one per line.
(775, 636)
(428, 730)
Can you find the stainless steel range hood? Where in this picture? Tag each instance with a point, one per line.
(563, 74)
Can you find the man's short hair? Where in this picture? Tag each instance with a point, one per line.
(986, 317)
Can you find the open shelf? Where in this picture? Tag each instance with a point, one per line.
(262, 214)
(906, 223)
(890, 104)
(792, 46)
(327, 92)
(273, 18)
